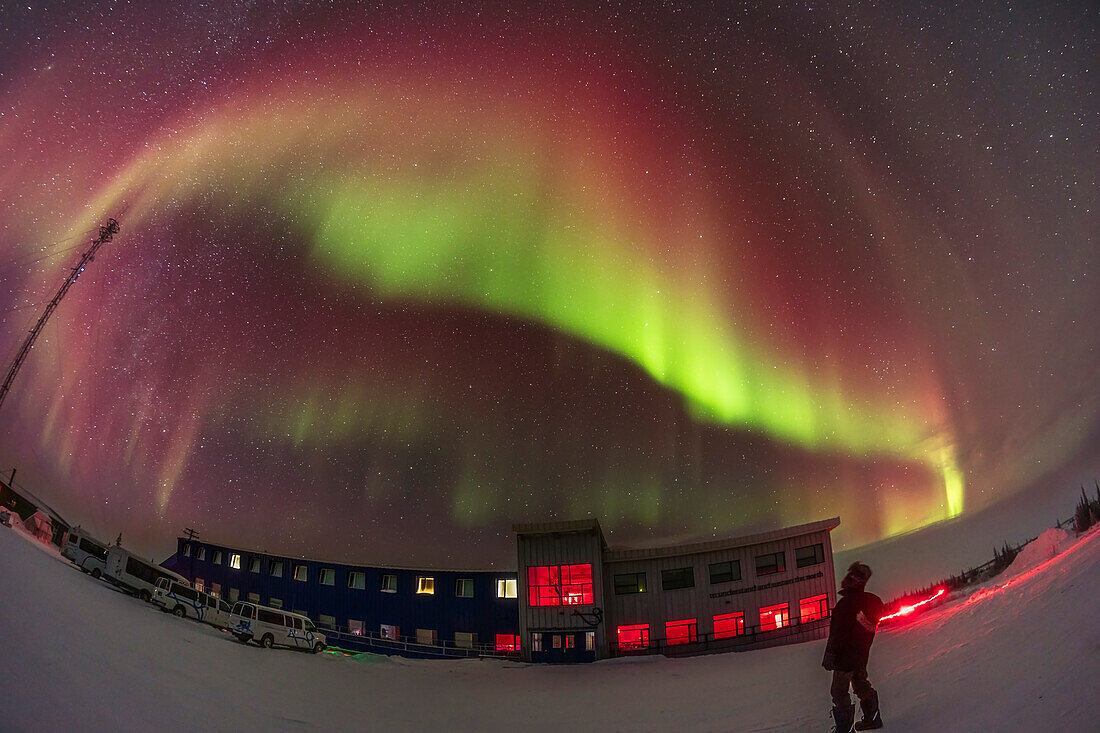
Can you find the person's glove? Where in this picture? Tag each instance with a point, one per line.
(829, 662)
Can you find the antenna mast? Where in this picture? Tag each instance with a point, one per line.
(106, 233)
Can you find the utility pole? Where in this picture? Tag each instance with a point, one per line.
(192, 535)
(106, 233)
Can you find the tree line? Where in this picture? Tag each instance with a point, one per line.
(1085, 515)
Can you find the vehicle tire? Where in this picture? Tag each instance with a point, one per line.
(179, 611)
(318, 647)
(96, 573)
(144, 595)
(267, 641)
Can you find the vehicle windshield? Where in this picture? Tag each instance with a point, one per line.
(244, 609)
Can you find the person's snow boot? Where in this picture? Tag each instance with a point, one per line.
(872, 720)
(844, 717)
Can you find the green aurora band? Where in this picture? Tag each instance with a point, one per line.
(506, 236)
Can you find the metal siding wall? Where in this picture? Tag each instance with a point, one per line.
(830, 570)
(566, 548)
(657, 606)
(484, 614)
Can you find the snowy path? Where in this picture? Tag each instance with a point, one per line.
(78, 656)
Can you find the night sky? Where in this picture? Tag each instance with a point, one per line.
(390, 279)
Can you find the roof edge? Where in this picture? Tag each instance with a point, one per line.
(567, 525)
(630, 553)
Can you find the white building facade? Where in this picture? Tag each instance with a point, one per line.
(581, 600)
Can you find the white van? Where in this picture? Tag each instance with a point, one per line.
(84, 552)
(270, 626)
(134, 575)
(186, 602)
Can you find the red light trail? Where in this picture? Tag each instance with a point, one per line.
(906, 610)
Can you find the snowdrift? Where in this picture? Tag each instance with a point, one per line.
(80, 656)
(1044, 547)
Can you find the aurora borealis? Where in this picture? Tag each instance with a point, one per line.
(391, 278)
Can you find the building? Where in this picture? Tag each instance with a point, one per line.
(415, 612)
(580, 600)
(38, 518)
(573, 599)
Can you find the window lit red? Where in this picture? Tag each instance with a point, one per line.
(507, 643)
(727, 625)
(775, 617)
(811, 609)
(576, 584)
(633, 637)
(681, 632)
(559, 585)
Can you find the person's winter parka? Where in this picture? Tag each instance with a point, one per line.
(855, 619)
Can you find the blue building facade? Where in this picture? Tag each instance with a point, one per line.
(420, 612)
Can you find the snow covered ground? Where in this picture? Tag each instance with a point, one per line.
(1020, 654)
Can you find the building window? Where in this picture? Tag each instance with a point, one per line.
(811, 609)
(559, 585)
(199, 585)
(804, 557)
(301, 572)
(253, 564)
(387, 631)
(464, 587)
(633, 637)
(775, 617)
(507, 643)
(357, 580)
(234, 595)
(201, 554)
(234, 561)
(678, 578)
(355, 627)
(570, 641)
(389, 583)
(725, 572)
(328, 576)
(626, 583)
(216, 589)
(681, 632)
(770, 564)
(536, 641)
(186, 550)
(301, 612)
(589, 641)
(253, 597)
(275, 602)
(425, 586)
(506, 588)
(727, 625)
(277, 569)
(427, 636)
(326, 621)
(465, 639)
(217, 557)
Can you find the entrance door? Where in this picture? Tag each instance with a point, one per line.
(566, 647)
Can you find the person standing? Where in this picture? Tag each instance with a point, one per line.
(851, 632)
